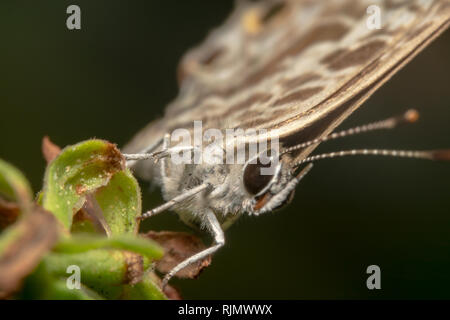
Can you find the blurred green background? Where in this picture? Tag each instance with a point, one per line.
(110, 78)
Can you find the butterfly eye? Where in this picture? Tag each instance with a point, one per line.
(256, 180)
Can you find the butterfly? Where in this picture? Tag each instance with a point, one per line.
(293, 70)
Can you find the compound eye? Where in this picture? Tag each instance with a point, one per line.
(256, 180)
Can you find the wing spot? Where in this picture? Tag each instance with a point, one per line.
(299, 95)
(301, 80)
(328, 32)
(274, 11)
(247, 103)
(344, 59)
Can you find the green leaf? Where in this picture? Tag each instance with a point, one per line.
(99, 268)
(110, 272)
(14, 186)
(120, 202)
(144, 290)
(85, 242)
(104, 271)
(43, 285)
(77, 171)
(57, 290)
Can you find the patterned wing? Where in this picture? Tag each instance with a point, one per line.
(297, 67)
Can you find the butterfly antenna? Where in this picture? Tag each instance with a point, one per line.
(441, 155)
(409, 116)
(174, 201)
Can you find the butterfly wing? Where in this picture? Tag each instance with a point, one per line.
(298, 68)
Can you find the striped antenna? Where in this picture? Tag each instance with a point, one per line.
(441, 155)
(409, 116)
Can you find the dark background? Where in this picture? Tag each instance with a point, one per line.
(117, 73)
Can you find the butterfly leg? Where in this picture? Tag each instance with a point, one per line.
(213, 226)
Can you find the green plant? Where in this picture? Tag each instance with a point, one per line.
(85, 216)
